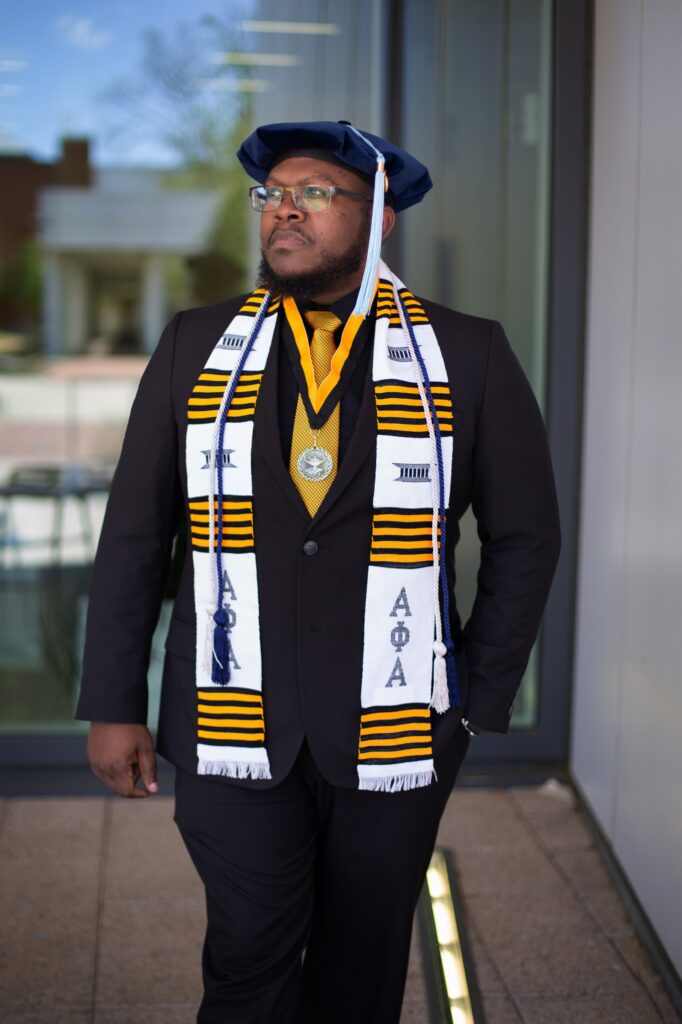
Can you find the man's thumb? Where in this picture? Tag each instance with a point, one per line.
(148, 768)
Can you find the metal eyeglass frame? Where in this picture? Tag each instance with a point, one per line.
(297, 194)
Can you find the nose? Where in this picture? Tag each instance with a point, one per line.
(286, 209)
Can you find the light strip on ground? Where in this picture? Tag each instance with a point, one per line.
(451, 960)
(302, 28)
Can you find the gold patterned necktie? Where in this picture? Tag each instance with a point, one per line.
(326, 439)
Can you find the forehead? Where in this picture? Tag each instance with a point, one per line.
(298, 170)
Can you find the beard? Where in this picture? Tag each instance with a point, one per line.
(304, 286)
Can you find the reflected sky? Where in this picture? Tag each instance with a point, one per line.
(58, 58)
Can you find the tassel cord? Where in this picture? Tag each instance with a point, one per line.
(217, 486)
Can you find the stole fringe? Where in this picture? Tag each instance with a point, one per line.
(234, 769)
(396, 783)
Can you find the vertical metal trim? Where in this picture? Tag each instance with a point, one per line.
(571, 126)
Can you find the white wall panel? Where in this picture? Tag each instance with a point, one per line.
(648, 820)
(608, 413)
(626, 748)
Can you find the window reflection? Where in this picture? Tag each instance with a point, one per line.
(121, 202)
(107, 228)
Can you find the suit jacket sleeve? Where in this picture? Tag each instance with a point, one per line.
(134, 551)
(514, 501)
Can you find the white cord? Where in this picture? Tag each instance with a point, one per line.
(213, 482)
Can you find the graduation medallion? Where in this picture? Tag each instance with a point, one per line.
(315, 463)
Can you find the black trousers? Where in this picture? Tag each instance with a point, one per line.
(309, 866)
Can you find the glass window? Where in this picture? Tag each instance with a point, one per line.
(122, 202)
(479, 243)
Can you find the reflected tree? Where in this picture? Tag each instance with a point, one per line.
(198, 108)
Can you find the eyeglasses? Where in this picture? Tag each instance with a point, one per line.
(308, 198)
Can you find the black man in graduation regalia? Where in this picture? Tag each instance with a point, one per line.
(318, 440)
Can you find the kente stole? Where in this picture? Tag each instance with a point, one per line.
(408, 661)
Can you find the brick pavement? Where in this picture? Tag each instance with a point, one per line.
(98, 928)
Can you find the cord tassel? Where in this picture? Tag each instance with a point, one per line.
(440, 700)
(220, 669)
(369, 278)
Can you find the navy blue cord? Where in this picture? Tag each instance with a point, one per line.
(221, 673)
(453, 682)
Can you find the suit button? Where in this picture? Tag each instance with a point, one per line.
(310, 547)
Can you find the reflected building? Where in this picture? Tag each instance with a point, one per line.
(103, 245)
(108, 240)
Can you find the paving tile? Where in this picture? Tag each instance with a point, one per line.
(585, 870)
(56, 979)
(557, 825)
(52, 829)
(51, 1015)
(481, 819)
(153, 926)
(137, 978)
(608, 909)
(520, 869)
(48, 930)
(49, 881)
(511, 915)
(167, 1014)
(150, 952)
(550, 801)
(556, 964)
(30, 926)
(146, 856)
(620, 1007)
(500, 1010)
(487, 978)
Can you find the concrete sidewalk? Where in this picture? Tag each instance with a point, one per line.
(102, 915)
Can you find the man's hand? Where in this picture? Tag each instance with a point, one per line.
(121, 756)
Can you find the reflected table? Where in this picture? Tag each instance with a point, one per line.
(56, 484)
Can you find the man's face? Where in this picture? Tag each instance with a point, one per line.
(310, 246)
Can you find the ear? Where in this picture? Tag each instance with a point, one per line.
(388, 222)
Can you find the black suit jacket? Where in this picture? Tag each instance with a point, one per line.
(312, 606)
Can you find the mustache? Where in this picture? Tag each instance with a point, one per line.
(287, 233)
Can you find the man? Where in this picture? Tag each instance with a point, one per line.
(321, 438)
